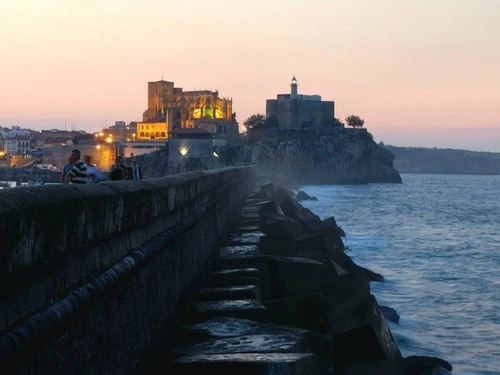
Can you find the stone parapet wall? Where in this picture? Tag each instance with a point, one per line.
(91, 274)
(29, 174)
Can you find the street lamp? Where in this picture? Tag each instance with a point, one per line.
(183, 150)
(98, 153)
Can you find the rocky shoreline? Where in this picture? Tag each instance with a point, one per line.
(283, 297)
(315, 156)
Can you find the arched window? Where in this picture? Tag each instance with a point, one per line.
(157, 134)
(163, 134)
(147, 134)
(142, 134)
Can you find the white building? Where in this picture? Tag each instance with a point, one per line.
(17, 145)
(14, 131)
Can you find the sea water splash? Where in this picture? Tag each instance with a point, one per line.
(436, 241)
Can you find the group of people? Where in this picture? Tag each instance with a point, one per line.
(82, 171)
(121, 172)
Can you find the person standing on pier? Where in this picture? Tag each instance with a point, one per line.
(117, 171)
(136, 170)
(65, 169)
(93, 172)
(78, 173)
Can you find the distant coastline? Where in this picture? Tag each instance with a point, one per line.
(444, 161)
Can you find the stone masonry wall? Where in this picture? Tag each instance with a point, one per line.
(91, 274)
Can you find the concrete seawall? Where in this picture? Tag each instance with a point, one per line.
(91, 274)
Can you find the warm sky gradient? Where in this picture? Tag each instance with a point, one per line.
(419, 72)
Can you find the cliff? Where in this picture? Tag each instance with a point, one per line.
(444, 161)
(327, 156)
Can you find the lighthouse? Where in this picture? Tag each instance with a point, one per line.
(294, 85)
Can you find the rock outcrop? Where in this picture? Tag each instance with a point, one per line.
(327, 156)
(283, 297)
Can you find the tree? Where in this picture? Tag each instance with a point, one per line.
(254, 120)
(355, 121)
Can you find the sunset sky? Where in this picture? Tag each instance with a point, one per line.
(419, 72)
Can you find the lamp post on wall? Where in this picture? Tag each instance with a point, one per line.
(183, 150)
(98, 154)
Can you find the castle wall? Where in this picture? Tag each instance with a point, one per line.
(301, 114)
(195, 148)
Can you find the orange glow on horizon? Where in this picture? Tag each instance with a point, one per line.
(408, 66)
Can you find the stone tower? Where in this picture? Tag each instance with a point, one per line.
(299, 111)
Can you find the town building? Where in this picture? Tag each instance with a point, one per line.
(171, 108)
(14, 131)
(119, 132)
(19, 144)
(136, 148)
(298, 111)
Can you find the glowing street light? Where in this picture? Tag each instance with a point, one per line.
(183, 150)
(98, 154)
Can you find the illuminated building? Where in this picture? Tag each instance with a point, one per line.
(171, 108)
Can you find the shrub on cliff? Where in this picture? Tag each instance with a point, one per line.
(355, 121)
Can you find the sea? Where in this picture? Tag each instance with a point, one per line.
(436, 241)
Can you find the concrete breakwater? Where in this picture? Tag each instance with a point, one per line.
(283, 297)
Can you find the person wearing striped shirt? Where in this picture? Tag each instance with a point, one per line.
(77, 174)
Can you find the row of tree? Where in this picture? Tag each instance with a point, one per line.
(260, 121)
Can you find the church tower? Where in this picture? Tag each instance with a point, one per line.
(294, 85)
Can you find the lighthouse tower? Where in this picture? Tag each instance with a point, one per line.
(294, 85)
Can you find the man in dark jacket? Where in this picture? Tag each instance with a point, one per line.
(117, 171)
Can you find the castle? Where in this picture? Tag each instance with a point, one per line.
(297, 111)
(171, 108)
